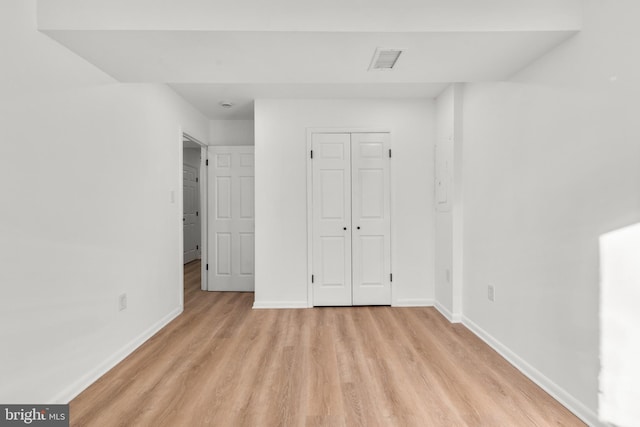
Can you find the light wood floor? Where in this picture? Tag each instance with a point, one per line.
(223, 364)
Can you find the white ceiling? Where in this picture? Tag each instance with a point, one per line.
(311, 15)
(304, 57)
(270, 58)
(207, 97)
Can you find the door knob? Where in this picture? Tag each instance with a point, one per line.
(344, 228)
(358, 228)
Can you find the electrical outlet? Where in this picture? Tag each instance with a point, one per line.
(122, 302)
(491, 293)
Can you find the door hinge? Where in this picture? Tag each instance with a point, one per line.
(197, 213)
(312, 154)
(197, 247)
(391, 277)
(312, 278)
(389, 152)
(206, 162)
(207, 267)
(196, 179)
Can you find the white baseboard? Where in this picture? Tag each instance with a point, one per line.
(280, 304)
(69, 393)
(453, 318)
(413, 302)
(557, 392)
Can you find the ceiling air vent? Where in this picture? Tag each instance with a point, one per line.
(385, 59)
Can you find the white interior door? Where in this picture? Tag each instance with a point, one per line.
(190, 194)
(371, 220)
(351, 226)
(231, 213)
(331, 219)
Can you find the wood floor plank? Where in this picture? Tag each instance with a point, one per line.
(221, 363)
(324, 393)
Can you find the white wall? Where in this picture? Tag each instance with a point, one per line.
(86, 169)
(619, 320)
(443, 273)
(281, 210)
(551, 162)
(448, 218)
(231, 132)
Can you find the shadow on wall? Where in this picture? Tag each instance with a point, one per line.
(620, 326)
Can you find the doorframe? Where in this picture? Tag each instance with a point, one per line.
(310, 132)
(204, 218)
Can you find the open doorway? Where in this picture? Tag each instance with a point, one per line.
(194, 215)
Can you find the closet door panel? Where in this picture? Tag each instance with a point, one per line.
(371, 220)
(331, 219)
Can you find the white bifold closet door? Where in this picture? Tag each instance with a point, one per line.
(351, 219)
(231, 218)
